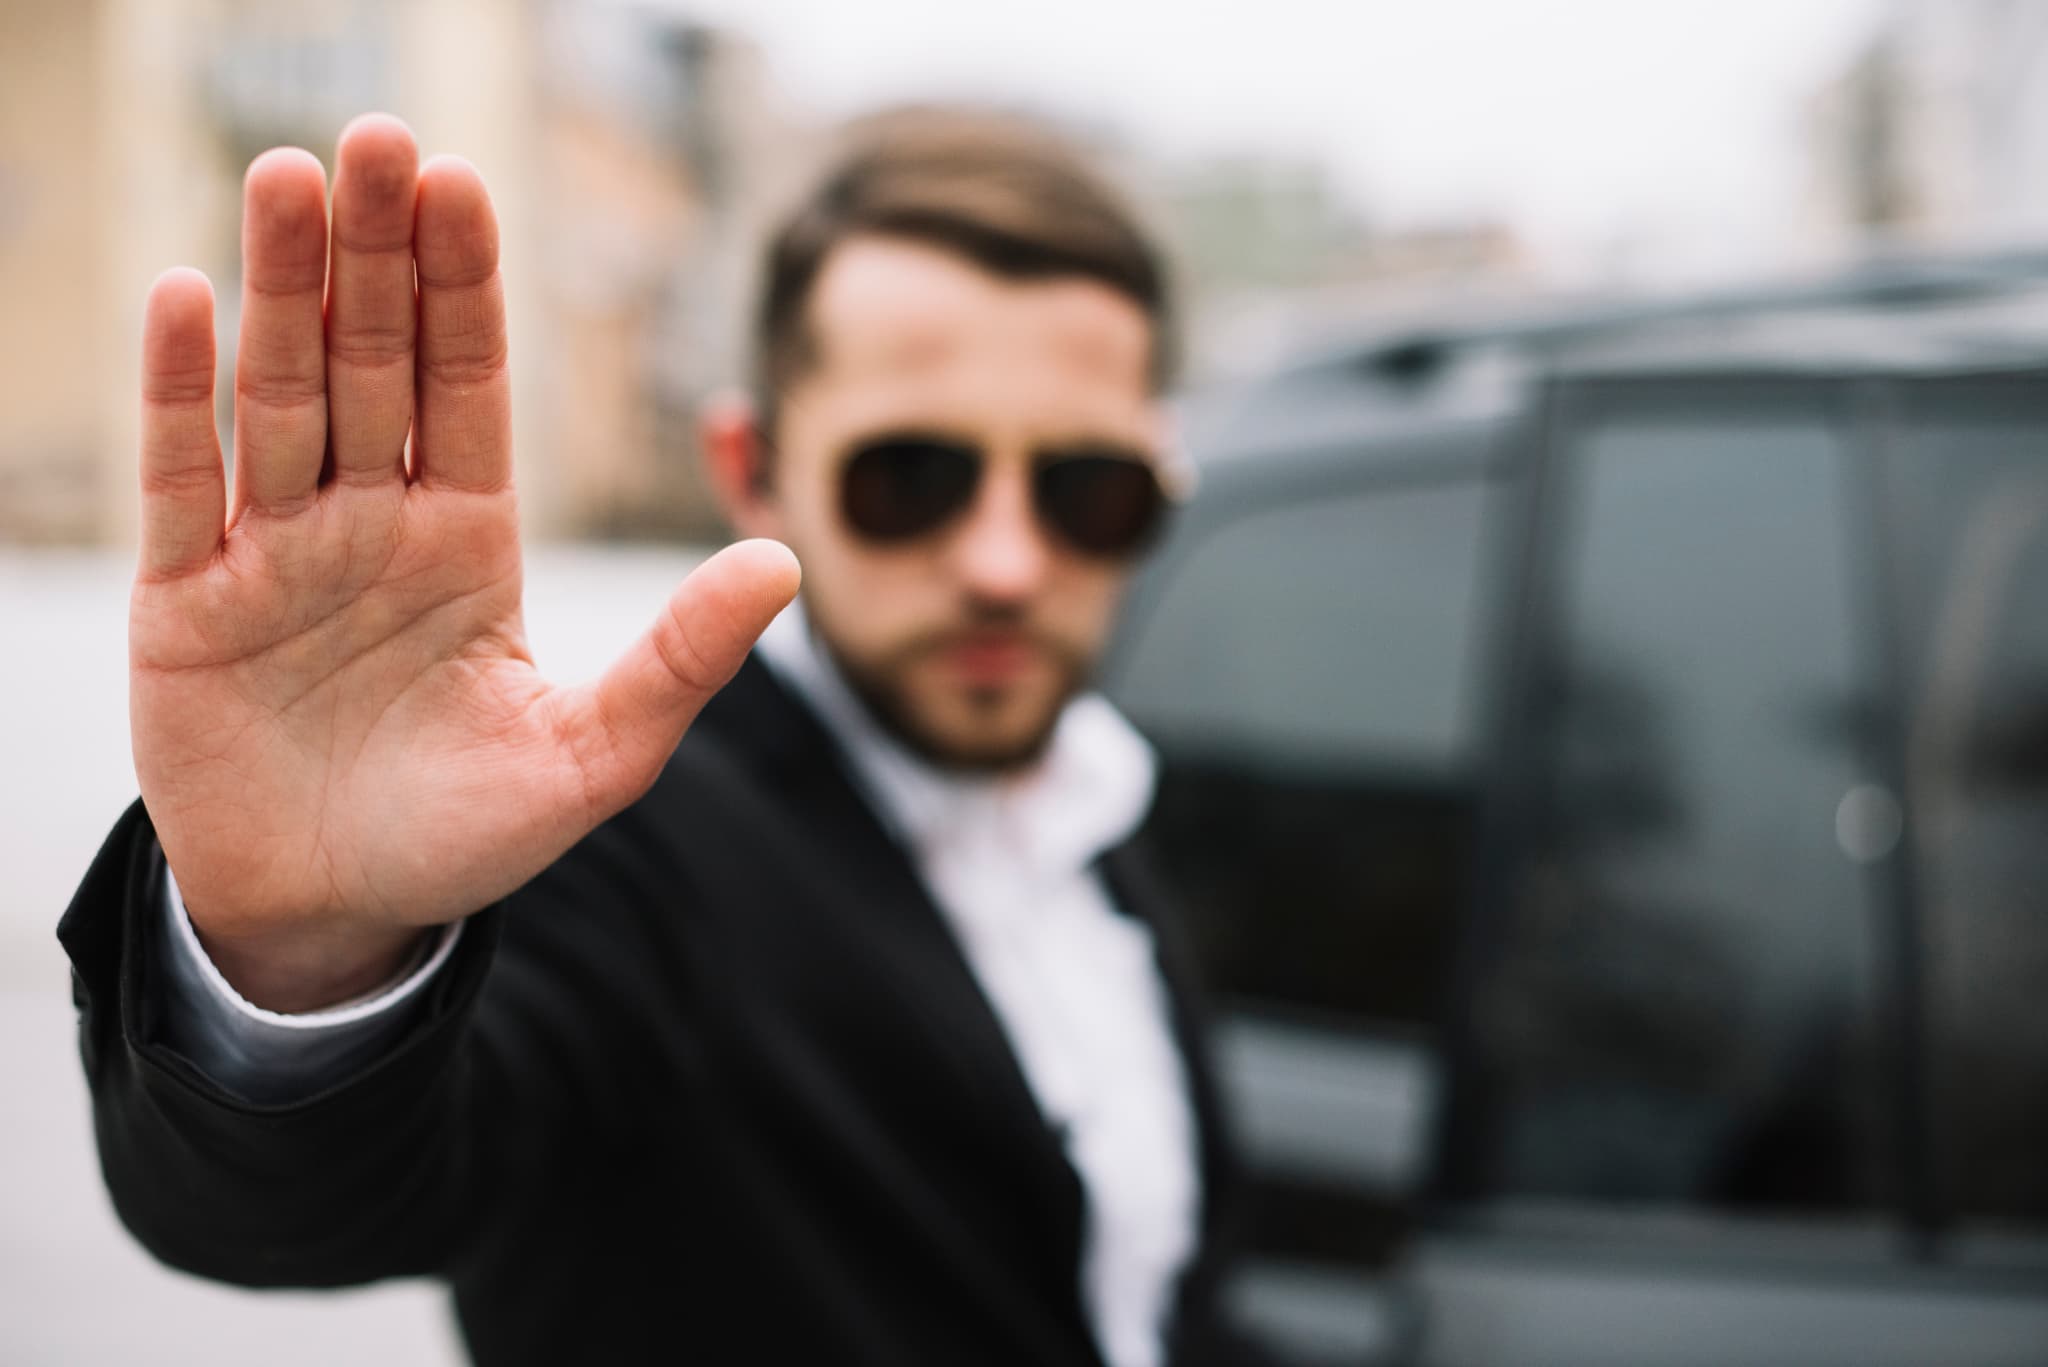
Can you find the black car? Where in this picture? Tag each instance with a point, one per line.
(1605, 759)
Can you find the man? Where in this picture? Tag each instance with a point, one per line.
(845, 1030)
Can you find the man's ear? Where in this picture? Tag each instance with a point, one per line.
(736, 461)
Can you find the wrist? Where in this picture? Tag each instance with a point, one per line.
(296, 971)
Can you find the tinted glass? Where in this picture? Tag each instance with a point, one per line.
(1101, 503)
(1676, 1004)
(1308, 676)
(1970, 479)
(895, 488)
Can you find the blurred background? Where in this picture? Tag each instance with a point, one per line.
(1474, 292)
(1310, 164)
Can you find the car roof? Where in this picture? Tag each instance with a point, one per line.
(1992, 332)
(1880, 282)
(1908, 316)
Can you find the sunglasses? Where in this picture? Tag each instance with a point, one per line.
(1101, 502)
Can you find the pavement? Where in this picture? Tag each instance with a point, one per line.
(74, 1289)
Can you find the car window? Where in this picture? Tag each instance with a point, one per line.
(1970, 484)
(1676, 1005)
(1308, 676)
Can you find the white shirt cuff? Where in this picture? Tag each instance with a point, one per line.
(276, 1056)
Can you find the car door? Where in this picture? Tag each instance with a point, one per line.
(1966, 473)
(1712, 1097)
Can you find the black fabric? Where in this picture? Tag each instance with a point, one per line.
(716, 1087)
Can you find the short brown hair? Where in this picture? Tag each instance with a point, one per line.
(1006, 194)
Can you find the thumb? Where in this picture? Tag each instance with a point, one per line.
(622, 728)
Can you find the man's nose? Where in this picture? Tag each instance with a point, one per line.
(999, 552)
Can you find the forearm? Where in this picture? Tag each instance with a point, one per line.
(361, 1180)
(526, 1058)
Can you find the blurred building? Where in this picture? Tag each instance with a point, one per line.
(1257, 221)
(665, 157)
(636, 157)
(632, 153)
(1938, 130)
(1272, 255)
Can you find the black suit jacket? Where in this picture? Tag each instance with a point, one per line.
(716, 1087)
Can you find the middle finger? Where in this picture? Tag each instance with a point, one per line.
(370, 301)
(280, 365)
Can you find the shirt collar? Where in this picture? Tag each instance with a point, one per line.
(1088, 793)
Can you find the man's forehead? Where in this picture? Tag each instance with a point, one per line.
(893, 309)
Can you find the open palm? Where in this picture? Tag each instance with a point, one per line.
(339, 733)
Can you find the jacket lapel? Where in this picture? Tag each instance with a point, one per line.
(772, 731)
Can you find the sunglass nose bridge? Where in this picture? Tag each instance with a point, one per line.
(1001, 547)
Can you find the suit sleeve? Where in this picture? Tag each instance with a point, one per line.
(514, 1063)
(261, 1055)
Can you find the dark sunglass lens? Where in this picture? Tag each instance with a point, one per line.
(1104, 505)
(904, 487)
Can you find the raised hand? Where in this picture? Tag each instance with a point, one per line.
(339, 733)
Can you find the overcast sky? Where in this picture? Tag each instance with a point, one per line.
(1671, 128)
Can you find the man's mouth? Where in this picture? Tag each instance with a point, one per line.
(988, 659)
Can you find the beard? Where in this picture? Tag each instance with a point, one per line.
(985, 742)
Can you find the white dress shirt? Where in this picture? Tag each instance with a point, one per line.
(1009, 862)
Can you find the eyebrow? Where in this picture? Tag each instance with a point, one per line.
(1117, 448)
(935, 436)
(1057, 448)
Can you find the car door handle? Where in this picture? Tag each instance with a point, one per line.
(1869, 822)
